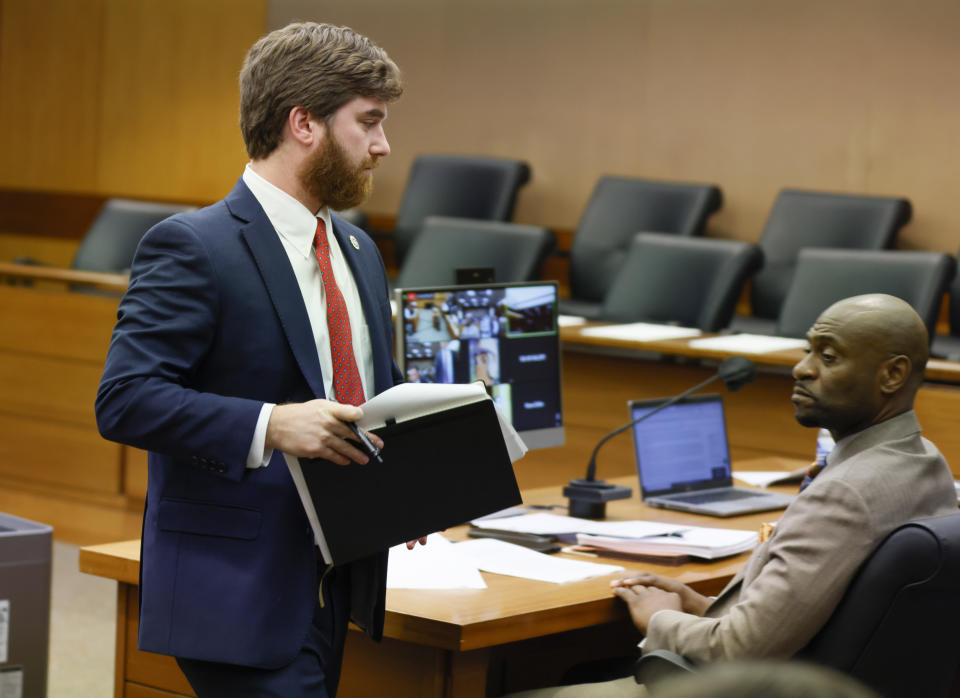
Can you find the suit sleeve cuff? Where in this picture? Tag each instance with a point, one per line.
(258, 455)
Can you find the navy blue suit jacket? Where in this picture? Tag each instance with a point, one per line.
(213, 325)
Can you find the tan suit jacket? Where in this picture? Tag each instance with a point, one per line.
(874, 481)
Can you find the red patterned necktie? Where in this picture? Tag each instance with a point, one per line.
(346, 376)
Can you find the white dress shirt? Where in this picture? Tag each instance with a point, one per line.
(296, 225)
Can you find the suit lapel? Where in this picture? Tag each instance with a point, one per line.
(281, 283)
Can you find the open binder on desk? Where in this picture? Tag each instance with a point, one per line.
(447, 458)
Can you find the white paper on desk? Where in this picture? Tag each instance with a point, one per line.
(408, 401)
(748, 343)
(570, 320)
(641, 332)
(555, 525)
(436, 565)
(500, 557)
(759, 478)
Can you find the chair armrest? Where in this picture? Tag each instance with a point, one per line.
(660, 664)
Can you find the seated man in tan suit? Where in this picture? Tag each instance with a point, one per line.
(859, 378)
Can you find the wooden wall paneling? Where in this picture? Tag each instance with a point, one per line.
(57, 324)
(50, 61)
(55, 251)
(58, 454)
(78, 517)
(135, 473)
(752, 95)
(170, 96)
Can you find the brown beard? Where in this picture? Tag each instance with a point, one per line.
(333, 181)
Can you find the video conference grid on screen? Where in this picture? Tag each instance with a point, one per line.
(504, 336)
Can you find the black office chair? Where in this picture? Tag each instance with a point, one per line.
(801, 219)
(109, 243)
(825, 276)
(895, 628)
(459, 186)
(514, 252)
(618, 209)
(947, 346)
(694, 282)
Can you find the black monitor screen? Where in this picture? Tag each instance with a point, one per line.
(502, 334)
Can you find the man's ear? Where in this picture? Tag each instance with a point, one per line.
(894, 373)
(303, 128)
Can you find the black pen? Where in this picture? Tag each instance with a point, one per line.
(372, 450)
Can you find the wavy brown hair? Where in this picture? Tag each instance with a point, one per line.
(319, 67)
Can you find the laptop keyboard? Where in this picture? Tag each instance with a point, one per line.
(723, 496)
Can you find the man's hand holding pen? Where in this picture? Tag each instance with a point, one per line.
(319, 429)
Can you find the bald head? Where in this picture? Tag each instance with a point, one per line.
(865, 364)
(886, 324)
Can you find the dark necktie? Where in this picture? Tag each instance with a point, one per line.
(346, 375)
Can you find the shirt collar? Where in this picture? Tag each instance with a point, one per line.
(291, 219)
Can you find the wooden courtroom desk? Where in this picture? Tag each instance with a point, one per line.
(515, 634)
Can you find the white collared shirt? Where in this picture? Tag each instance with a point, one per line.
(295, 226)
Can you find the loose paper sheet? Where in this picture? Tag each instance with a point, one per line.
(641, 332)
(436, 565)
(499, 557)
(748, 343)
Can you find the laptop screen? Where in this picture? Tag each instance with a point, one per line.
(683, 447)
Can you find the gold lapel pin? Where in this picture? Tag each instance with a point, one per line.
(354, 242)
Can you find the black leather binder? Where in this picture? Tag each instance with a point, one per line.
(438, 471)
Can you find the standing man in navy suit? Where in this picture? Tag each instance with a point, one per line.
(251, 329)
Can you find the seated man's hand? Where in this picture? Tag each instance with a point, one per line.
(412, 543)
(692, 602)
(643, 602)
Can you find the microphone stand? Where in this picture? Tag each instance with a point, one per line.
(588, 496)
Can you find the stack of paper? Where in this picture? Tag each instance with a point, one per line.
(632, 537)
(562, 527)
(708, 543)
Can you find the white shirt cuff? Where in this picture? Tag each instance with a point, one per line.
(258, 455)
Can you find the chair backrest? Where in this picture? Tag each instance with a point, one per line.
(896, 627)
(694, 282)
(460, 186)
(112, 238)
(514, 252)
(621, 207)
(824, 276)
(801, 219)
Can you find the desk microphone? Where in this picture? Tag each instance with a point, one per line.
(588, 496)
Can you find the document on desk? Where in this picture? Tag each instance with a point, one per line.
(748, 343)
(696, 541)
(567, 526)
(570, 320)
(765, 478)
(499, 557)
(641, 332)
(436, 565)
(446, 459)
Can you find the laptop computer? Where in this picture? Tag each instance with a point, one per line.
(683, 460)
